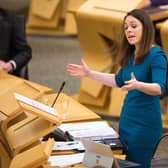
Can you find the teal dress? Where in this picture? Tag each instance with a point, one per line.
(140, 124)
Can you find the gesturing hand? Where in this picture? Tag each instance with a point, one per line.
(78, 70)
(130, 84)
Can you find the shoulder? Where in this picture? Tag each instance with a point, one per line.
(8, 15)
(156, 51)
(157, 57)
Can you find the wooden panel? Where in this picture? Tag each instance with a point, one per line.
(116, 102)
(34, 157)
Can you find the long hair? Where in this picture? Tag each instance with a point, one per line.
(127, 50)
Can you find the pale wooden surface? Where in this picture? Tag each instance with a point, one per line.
(75, 111)
(56, 17)
(34, 157)
(9, 85)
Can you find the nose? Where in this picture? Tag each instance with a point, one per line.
(129, 29)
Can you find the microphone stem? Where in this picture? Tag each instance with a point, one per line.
(62, 86)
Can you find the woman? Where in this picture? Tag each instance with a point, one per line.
(143, 75)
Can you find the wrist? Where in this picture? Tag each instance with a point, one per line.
(89, 74)
(13, 63)
(139, 85)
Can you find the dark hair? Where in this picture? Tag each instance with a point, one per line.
(127, 50)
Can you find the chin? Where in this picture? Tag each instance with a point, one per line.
(131, 42)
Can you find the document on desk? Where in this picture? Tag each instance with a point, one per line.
(35, 104)
(95, 130)
(59, 160)
(68, 145)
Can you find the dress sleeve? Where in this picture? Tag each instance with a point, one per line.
(119, 78)
(159, 70)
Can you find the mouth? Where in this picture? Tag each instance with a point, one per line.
(131, 37)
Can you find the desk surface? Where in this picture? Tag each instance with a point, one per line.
(10, 84)
(9, 105)
(75, 111)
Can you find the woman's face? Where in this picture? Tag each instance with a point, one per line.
(133, 30)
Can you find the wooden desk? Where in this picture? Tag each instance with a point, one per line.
(19, 133)
(75, 111)
(10, 84)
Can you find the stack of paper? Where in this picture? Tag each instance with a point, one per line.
(95, 130)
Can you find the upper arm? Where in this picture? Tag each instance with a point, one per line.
(22, 51)
(159, 70)
(119, 78)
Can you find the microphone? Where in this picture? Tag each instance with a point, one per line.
(61, 88)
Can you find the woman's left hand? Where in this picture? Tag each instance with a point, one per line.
(130, 84)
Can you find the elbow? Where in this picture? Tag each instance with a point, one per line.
(159, 91)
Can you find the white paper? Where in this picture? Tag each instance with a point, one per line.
(97, 155)
(66, 160)
(94, 159)
(90, 130)
(68, 145)
(163, 6)
(35, 104)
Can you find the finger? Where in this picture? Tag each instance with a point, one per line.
(132, 75)
(125, 87)
(73, 66)
(128, 81)
(83, 63)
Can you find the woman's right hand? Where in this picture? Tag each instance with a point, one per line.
(78, 70)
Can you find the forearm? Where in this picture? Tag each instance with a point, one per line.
(105, 78)
(149, 88)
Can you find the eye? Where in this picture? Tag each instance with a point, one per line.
(134, 26)
(125, 27)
